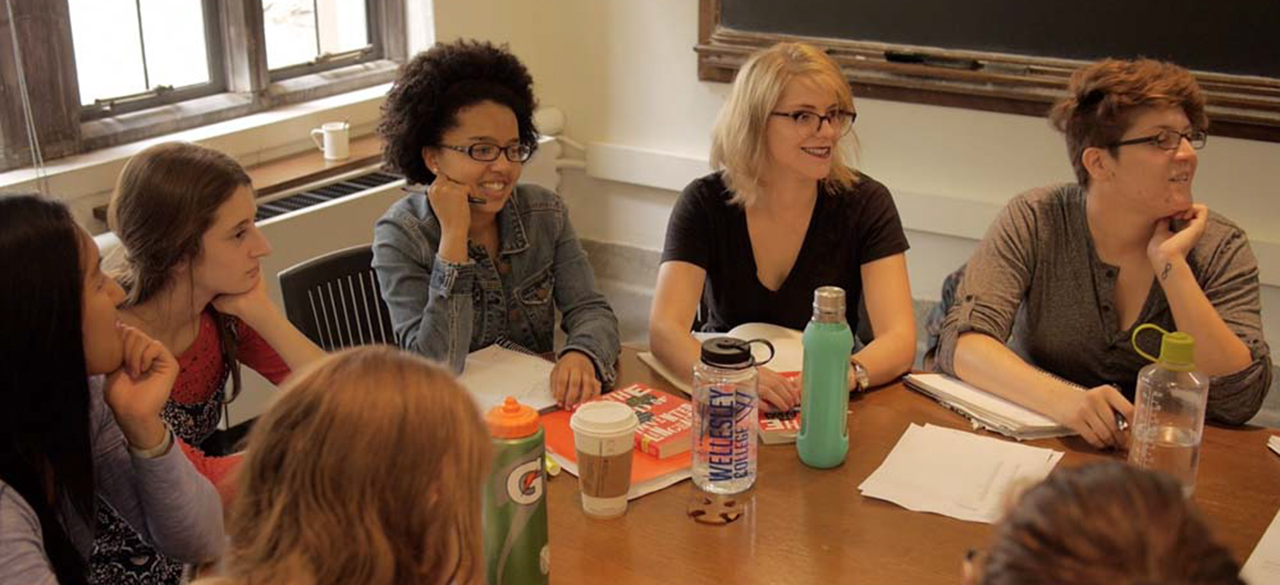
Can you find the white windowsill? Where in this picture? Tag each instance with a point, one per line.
(86, 180)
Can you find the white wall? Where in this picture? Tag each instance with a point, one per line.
(624, 72)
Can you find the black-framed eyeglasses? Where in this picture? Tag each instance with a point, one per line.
(1169, 139)
(488, 151)
(811, 122)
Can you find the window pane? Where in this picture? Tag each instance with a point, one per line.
(108, 48)
(174, 35)
(342, 26)
(299, 31)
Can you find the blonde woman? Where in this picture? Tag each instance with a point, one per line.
(368, 470)
(784, 214)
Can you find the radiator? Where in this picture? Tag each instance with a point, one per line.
(304, 223)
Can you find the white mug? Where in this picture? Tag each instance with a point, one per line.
(333, 138)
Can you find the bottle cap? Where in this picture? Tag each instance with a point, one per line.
(512, 420)
(1177, 349)
(732, 353)
(828, 300)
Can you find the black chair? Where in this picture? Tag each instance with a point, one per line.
(335, 300)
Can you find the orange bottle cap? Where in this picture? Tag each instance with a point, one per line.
(512, 420)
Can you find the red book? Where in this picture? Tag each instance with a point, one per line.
(648, 473)
(665, 419)
(778, 428)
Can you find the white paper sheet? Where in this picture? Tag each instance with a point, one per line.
(1263, 566)
(494, 373)
(956, 473)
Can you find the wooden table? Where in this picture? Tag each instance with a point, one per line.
(812, 526)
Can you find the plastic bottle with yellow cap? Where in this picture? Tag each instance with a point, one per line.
(515, 505)
(1169, 409)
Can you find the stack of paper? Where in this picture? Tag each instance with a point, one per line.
(1263, 565)
(987, 410)
(1274, 443)
(956, 473)
(494, 373)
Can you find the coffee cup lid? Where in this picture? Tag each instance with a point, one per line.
(604, 418)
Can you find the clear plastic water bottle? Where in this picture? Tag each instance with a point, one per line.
(725, 409)
(1169, 409)
(823, 441)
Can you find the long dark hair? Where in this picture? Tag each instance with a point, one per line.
(164, 202)
(45, 453)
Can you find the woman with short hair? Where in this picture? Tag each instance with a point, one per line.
(1086, 263)
(1103, 522)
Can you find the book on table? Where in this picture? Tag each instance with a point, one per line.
(788, 360)
(787, 344)
(664, 429)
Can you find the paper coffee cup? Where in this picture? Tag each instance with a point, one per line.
(604, 435)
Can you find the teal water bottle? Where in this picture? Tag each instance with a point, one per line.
(515, 504)
(824, 435)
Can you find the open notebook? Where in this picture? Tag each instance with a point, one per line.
(987, 410)
(494, 373)
(787, 343)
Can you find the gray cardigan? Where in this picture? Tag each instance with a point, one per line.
(165, 499)
(1037, 263)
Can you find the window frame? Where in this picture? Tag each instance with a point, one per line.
(375, 52)
(215, 54)
(245, 85)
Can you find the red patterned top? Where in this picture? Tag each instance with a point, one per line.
(194, 408)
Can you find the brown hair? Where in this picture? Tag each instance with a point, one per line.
(1106, 523)
(738, 145)
(1103, 97)
(368, 470)
(165, 200)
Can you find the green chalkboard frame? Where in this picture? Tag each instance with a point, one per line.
(1240, 106)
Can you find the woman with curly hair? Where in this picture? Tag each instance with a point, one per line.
(1082, 265)
(1104, 522)
(478, 259)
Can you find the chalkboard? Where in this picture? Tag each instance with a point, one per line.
(1015, 55)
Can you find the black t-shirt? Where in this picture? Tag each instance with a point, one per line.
(848, 229)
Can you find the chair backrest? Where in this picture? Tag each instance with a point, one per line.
(335, 300)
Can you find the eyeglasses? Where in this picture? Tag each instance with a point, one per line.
(1169, 140)
(488, 152)
(811, 122)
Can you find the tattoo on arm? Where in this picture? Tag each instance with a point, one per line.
(1164, 274)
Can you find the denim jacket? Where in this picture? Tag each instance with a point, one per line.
(444, 310)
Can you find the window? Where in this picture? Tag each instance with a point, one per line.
(103, 72)
(303, 36)
(132, 54)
